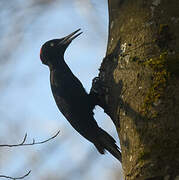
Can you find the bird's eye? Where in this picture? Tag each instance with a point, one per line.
(51, 44)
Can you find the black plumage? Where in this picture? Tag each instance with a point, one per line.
(71, 98)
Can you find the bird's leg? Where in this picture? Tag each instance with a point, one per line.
(97, 94)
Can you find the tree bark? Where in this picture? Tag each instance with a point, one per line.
(141, 75)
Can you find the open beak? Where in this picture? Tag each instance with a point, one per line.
(70, 37)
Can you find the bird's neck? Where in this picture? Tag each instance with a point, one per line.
(59, 65)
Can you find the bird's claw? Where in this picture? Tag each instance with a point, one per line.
(98, 92)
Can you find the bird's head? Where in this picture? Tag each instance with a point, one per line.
(52, 51)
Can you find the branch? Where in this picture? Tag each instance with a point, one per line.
(28, 144)
(14, 178)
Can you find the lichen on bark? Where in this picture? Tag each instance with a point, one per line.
(141, 71)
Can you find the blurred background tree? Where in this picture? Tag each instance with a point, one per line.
(26, 101)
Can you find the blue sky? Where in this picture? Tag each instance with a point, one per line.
(28, 98)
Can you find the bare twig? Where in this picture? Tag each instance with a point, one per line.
(28, 144)
(14, 178)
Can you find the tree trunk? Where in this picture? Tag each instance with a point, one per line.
(141, 75)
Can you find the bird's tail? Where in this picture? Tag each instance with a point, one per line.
(106, 142)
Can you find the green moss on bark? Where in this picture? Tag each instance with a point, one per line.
(163, 67)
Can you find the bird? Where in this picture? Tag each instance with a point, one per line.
(71, 97)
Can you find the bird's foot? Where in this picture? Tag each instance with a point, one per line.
(98, 93)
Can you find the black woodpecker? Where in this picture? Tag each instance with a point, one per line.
(71, 98)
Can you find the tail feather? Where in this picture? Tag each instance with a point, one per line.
(106, 142)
